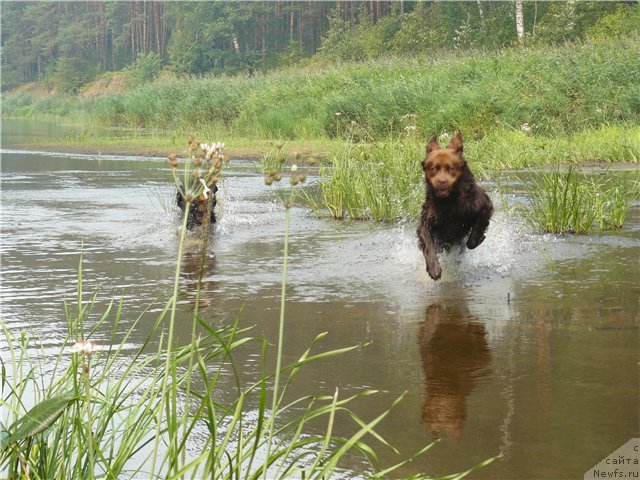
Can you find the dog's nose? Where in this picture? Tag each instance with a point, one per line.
(442, 181)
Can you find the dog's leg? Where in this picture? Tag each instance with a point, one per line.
(180, 200)
(429, 249)
(476, 237)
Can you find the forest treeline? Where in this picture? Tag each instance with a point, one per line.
(68, 44)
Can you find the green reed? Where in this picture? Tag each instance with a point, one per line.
(98, 410)
(381, 182)
(618, 200)
(570, 202)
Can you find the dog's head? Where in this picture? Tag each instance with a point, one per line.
(443, 167)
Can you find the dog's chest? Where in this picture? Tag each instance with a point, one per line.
(450, 221)
(451, 213)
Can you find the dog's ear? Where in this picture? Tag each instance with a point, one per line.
(456, 143)
(432, 144)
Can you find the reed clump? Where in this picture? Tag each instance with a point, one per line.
(380, 182)
(569, 202)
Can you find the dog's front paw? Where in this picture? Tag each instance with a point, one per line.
(473, 241)
(434, 270)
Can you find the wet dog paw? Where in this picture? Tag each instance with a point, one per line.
(434, 271)
(473, 241)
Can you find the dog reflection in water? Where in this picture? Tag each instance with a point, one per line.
(197, 272)
(455, 356)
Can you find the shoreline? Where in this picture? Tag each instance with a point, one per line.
(89, 149)
(244, 151)
(500, 150)
(234, 152)
(155, 147)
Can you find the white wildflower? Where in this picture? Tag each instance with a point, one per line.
(84, 346)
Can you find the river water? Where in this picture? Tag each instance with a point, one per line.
(528, 347)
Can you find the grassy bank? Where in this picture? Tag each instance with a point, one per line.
(94, 140)
(549, 91)
(518, 107)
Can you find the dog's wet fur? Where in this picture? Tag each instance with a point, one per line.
(198, 208)
(455, 207)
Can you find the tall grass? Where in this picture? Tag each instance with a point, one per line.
(24, 105)
(379, 182)
(172, 103)
(568, 202)
(513, 148)
(383, 181)
(97, 410)
(554, 90)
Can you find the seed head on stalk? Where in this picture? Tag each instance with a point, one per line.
(274, 169)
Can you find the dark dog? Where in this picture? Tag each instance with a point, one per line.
(199, 207)
(455, 206)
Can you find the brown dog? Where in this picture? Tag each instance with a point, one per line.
(455, 206)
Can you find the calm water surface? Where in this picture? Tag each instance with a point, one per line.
(528, 346)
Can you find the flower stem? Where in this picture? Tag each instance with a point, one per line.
(86, 360)
(172, 410)
(276, 383)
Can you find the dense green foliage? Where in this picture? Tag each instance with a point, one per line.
(567, 201)
(381, 182)
(542, 91)
(67, 44)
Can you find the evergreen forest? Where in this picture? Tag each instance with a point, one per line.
(66, 45)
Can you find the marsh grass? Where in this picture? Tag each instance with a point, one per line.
(618, 200)
(508, 148)
(98, 410)
(553, 89)
(160, 201)
(381, 182)
(570, 202)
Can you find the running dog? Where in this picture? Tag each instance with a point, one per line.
(455, 207)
